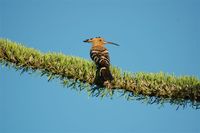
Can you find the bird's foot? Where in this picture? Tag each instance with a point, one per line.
(107, 84)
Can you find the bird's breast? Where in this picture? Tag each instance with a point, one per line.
(100, 56)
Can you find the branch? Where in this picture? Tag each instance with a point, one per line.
(79, 74)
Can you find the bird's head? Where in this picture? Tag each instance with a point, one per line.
(99, 41)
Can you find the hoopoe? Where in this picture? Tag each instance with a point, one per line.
(99, 54)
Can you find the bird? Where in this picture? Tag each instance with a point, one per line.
(100, 56)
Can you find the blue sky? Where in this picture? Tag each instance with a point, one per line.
(155, 35)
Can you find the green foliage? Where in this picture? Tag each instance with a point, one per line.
(79, 74)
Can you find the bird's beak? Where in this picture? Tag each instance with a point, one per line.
(112, 43)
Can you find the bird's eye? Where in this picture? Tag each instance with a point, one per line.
(100, 40)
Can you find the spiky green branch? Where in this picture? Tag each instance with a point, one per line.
(79, 74)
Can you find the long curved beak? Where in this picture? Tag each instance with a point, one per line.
(112, 43)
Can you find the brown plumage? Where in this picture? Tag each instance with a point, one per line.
(99, 54)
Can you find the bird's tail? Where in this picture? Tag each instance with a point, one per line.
(105, 74)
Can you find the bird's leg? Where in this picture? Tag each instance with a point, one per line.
(99, 81)
(107, 84)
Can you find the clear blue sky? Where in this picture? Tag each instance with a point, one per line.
(155, 35)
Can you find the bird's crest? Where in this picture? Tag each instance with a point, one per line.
(92, 39)
(99, 41)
